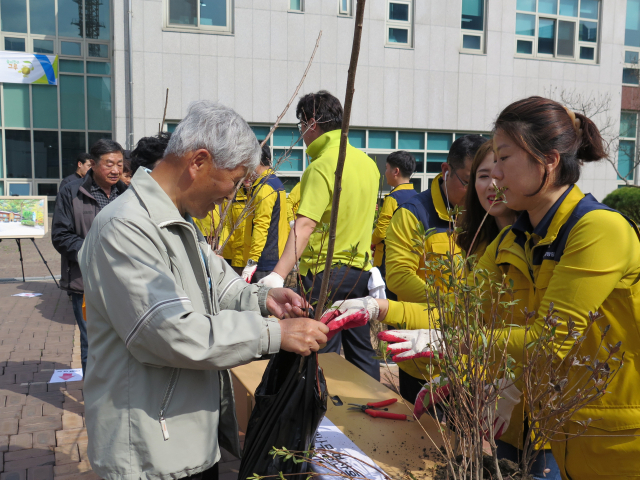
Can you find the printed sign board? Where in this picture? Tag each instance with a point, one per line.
(16, 67)
(23, 217)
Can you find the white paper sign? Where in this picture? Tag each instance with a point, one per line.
(26, 295)
(71, 375)
(16, 67)
(329, 437)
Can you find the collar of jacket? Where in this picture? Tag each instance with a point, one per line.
(402, 186)
(323, 142)
(162, 210)
(438, 199)
(85, 187)
(262, 176)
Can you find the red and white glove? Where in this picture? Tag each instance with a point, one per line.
(272, 280)
(410, 344)
(346, 314)
(433, 392)
(499, 413)
(249, 270)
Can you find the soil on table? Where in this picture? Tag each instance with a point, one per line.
(510, 470)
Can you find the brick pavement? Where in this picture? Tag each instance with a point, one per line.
(42, 433)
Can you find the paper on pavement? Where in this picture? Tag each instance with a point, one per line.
(70, 375)
(329, 437)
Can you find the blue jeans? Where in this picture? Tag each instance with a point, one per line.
(543, 461)
(76, 300)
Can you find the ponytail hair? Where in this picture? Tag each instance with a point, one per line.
(539, 125)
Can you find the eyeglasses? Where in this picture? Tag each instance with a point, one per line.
(462, 182)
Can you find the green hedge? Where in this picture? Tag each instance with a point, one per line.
(626, 200)
(28, 223)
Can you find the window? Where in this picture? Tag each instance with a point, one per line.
(627, 145)
(44, 127)
(399, 23)
(473, 25)
(296, 5)
(631, 43)
(561, 29)
(344, 7)
(213, 16)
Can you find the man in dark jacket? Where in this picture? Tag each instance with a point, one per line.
(77, 205)
(83, 165)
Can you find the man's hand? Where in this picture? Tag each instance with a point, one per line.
(249, 270)
(351, 313)
(499, 413)
(433, 393)
(410, 344)
(272, 280)
(302, 335)
(285, 303)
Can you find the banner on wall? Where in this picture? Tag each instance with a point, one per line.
(35, 68)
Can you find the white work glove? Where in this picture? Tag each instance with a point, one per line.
(499, 413)
(272, 280)
(430, 395)
(249, 270)
(346, 314)
(411, 344)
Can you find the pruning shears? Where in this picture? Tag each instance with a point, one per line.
(376, 410)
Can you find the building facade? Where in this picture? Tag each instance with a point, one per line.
(429, 71)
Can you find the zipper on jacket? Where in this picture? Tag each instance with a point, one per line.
(173, 380)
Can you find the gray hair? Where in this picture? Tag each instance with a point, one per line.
(220, 131)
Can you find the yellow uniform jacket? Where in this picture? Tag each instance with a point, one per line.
(293, 202)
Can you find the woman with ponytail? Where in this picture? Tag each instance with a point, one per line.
(569, 251)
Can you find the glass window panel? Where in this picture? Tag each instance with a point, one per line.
(434, 162)
(71, 48)
(357, 138)
(42, 17)
(589, 9)
(45, 154)
(472, 42)
(588, 31)
(95, 136)
(2, 189)
(399, 12)
(569, 8)
(438, 141)
(1, 162)
(18, 153)
(21, 189)
(100, 68)
(293, 163)
(566, 38)
(419, 158)
(45, 106)
(16, 105)
(417, 184)
(48, 189)
(73, 143)
(289, 182)
(295, 4)
(546, 35)
(587, 53)
(43, 46)
(525, 24)
(97, 21)
(629, 75)
(261, 132)
(628, 124)
(14, 15)
(411, 141)
(548, 6)
(99, 50)
(344, 6)
(398, 35)
(287, 136)
(15, 44)
(183, 12)
(473, 14)
(524, 47)
(70, 18)
(382, 139)
(526, 5)
(71, 66)
(631, 57)
(213, 12)
(171, 127)
(632, 24)
(99, 103)
(71, 101)
(626, 154)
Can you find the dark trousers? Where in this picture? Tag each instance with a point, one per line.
(210, 474)
(76, 301)
(409, 386)
(348, 283)
(543, 461)
(259, 275)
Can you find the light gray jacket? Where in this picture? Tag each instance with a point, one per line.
(158, 396)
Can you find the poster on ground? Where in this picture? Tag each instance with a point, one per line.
(16, 67)
(69, 375)
(23, 217)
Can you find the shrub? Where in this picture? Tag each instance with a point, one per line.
(626, 200)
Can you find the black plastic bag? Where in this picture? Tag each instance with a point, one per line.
(289, 405)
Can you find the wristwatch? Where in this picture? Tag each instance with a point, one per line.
(251, 263)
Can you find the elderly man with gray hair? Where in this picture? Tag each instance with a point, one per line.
(167, 317)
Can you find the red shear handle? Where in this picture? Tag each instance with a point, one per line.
(383, 414)
(383, 403)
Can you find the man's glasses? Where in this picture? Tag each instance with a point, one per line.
(462, 182)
